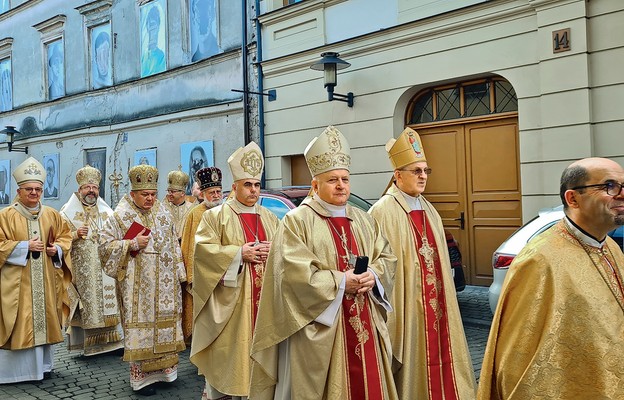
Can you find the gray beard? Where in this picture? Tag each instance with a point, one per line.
(211, 204)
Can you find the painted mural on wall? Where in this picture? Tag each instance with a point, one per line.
(56, 69)
(97, 159)
(101, 56)
(145, 156)
(153, 37)
(6, 85)
(5, 182)
(203, 28)
(51, 184)
(195, 156)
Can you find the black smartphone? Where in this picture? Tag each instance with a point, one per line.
(361, 264)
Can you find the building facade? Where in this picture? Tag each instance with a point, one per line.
(123, 82)
(505, 94)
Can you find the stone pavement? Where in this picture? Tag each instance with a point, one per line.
(106, 376)
(477, 319)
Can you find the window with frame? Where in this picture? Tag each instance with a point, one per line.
(288, 2)
(6, 75)
(462, 100)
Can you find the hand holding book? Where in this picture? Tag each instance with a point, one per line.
(138, 231)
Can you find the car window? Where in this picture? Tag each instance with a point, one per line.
(359, 202)
(618, 235)
(276, 206)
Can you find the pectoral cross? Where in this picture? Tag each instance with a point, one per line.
(349, 257)
(426, 251)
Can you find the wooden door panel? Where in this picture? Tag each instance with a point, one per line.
(475, 173)
(493, 191)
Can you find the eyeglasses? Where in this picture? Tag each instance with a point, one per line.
(418, 171)
(612, 188)
(31, 189)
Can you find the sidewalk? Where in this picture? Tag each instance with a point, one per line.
(101, 377)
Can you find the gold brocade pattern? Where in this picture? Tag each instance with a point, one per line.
(407, 324)
(149, 284)
(38, 289)
(570, 343)
(359, 326)
(223, 315)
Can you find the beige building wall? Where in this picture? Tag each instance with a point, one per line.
(568, 102)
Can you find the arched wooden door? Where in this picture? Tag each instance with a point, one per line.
(475, 186)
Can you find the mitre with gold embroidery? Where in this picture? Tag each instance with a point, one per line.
(406, 149)
(329, 151)
(143, 177)
(177, 180)
(88, 175)
(30, 170)
(247, 162)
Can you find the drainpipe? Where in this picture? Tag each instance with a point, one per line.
(245, 79)
(260, 82)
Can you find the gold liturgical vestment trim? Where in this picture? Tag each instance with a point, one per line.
(38, 288)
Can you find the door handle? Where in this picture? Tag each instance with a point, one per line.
(461, 220)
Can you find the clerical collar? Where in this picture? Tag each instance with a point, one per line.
(412, 202)
(334, 210)
(178, 205)
(34, 209)
(244, 208)
(584, 236)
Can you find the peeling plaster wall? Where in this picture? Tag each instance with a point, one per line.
(189, 102)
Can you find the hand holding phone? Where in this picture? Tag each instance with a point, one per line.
(361, 265)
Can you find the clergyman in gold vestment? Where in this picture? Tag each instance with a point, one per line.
(96, 325)
(426, 329)
(209, 180)
(321, 331)
(176, 201)
(34, 280)
(558, 330)
(149, 272)
(232, 243)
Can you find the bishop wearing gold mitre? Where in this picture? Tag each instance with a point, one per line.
(176, 201)
(426, 329)
(209, 181)
(34, 280)
(232, 244)
(96, 326)
(321, 331)
(139, 248)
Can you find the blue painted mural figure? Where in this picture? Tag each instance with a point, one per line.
(153, 58)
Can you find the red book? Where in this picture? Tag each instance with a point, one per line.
(133, 232)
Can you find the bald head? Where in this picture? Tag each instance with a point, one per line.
(579, 173)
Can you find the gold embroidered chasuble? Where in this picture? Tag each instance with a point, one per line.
(222, 331)
(178, 213)
(148, 284)
(409, 334)
(34, 298)
(193, 218)
(301, 281)
(559, 326)
(98, 314)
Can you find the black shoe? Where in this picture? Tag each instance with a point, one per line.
(147, 391)
(47, 375)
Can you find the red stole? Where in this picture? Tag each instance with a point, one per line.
(253, 229)
(440, 372)
(360, 335)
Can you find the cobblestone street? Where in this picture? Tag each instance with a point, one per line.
(106, 377)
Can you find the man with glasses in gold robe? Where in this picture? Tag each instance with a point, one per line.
(34, 280)
(321, 330)
(558, 330)
(232, 244)
(139, 248)
(176, 201)
(209, 180)
(96, 326)
(426, 329)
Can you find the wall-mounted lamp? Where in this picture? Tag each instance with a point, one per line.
(10, 133)
(330, 64)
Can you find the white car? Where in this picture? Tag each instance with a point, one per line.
(506, 252)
